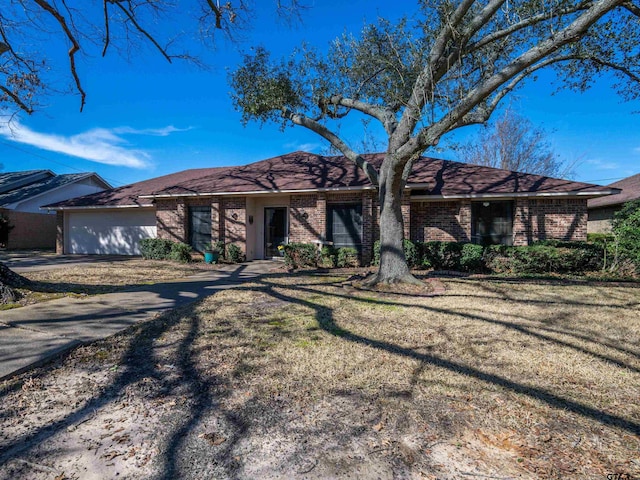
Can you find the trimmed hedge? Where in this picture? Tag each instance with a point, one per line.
(180, 252)
(347, 257)
(162, 249)
(300, 255)
(155, 248)
(549, 256)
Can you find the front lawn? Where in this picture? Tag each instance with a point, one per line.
(294, 376)
(97, 278)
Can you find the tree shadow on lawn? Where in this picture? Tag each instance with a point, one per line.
(137, 364)
(324, 317)
(207, 393)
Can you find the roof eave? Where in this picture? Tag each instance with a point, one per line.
(97, 207)
(511, 195)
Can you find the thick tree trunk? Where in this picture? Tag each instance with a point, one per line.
(393, 264)
(8, 281)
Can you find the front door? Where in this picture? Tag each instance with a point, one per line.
(275, 230)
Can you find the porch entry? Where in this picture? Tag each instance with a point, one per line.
(275, 230)
(199, 227)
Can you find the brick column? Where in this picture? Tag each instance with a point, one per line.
(216, 217)
(521, 222)
(59, 232)
(464, 220)
(235, 218)
(367, 226)
(406, 213)
(321, 207)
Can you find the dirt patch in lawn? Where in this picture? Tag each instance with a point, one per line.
(97, 278)
(292, 377)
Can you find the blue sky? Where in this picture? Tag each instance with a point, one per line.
(145, 117)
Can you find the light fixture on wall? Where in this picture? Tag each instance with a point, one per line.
(234, 216)
(250, 219)
(485, 204)
(305, 215)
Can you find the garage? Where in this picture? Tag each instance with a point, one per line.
(108, 231)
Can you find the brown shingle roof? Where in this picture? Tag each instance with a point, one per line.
(630, 187)
(307, 171)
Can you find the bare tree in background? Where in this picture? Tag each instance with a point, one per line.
(512, 142)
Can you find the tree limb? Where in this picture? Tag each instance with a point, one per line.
(528, 22)
(17, 100)
(75, 46)
(143, 31)
(383, 115)
(316, 127)
(567, 35)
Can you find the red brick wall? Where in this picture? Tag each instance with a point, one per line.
(234, 221)
(307, 218)
(558, 219)
(171, 219)
(31, 230)
(443, 221)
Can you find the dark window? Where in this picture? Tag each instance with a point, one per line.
(199, 227)
(344, 226)
(492, 223)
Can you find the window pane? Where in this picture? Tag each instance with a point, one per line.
(492, 223)
(345, 226)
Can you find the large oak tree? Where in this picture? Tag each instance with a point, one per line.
(443, 67)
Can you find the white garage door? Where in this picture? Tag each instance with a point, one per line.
(108, 232)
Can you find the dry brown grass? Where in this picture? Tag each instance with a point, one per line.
(517, 379)
(96, 278)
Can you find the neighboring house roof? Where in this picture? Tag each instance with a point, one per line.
(301, 171)
(630, 187)
(14, 180)
(16, 187)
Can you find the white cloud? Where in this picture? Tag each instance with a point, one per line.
(100, 145)
(602, 165)
(156, 132)
(301, 147)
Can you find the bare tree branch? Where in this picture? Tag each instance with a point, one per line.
(18, 101)
(75, 46)
(144, 32)
(336, 141)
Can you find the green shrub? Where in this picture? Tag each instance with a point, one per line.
(348, 257)
(215, 247)
(471, 257)
(180, 252)
(411, 253)
(626, 230)
(571, 257)
(600, 238)
(299, 255)
(328, 257)
(155, 248)
(375, 260)
(234, 253)
(441, 255)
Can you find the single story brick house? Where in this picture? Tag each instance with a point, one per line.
(304, 197)
(602, 209)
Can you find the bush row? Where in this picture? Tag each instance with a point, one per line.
(301, 255)
(549, 256)
(162, 249)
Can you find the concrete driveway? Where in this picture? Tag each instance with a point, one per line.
(37, 333)
(24, 261)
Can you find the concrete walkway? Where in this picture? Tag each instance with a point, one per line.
(36, 333)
